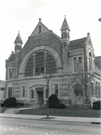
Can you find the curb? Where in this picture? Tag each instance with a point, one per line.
(51, 119)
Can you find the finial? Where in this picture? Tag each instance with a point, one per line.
(88, 34)
(18, 32)
(39, 19)
(65, 16)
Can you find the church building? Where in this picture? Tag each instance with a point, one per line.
(48, 64)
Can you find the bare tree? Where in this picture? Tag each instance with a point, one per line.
(48, 76)
(81, 84)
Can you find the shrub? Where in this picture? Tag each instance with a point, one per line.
(53, 101)
(97, 105)
(18, 104)
(2, 104)
(10, 102)
(61, 106)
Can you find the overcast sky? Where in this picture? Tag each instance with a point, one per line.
(23, 15)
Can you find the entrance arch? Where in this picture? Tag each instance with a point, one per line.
(39, 93)
(78, 94)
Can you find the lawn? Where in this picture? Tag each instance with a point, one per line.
(63, 112)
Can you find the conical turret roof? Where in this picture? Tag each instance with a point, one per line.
(65, 25)
(18, 39)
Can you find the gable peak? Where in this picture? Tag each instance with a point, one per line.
(39, 19)
(40, 28)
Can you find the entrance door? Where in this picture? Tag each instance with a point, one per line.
(39, 90)
(40, 97)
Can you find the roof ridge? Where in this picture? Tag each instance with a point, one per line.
(56, 35)
(78, 39)
(12, 54)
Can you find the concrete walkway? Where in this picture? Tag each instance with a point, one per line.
(15, 110)
(52, 118)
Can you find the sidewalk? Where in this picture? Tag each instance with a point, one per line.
(52, 118)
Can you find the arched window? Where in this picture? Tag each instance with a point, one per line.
(31, 93)
(64, 35)
(96, 89)
(90, 61)
(92, 89)
(39, 63)
(44, 63)
(78, 90)
(90, 54)
(68, 36)
(39, 29)
(10, 92)
(51, 64)
(29, 67)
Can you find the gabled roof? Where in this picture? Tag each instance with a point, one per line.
(43, 28)
(98, 61)
(80, 43)
(77, 44)
(11, 57)
(65, 25)
(18, 39)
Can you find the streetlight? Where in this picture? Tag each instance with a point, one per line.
(99, 19)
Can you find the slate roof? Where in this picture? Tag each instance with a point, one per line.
(11, 58)
(98, 61)
(18, 39)
(65, 25)
(77, 44)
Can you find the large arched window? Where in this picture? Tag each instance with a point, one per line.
(39, 63)
(50, 64)
(44, 63)
(29, 67)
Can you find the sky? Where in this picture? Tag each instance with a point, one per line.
(23, 15)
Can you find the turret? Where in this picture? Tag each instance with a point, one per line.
(65, 36)
(18, 46)
(65, 33)
(18, 43)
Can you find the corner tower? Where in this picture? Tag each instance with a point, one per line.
(65, 36)
(65, 33)
(18, 43)
(18, 47)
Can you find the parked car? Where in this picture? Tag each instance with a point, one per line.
(97, 105)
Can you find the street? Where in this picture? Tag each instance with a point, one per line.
(12, 126)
